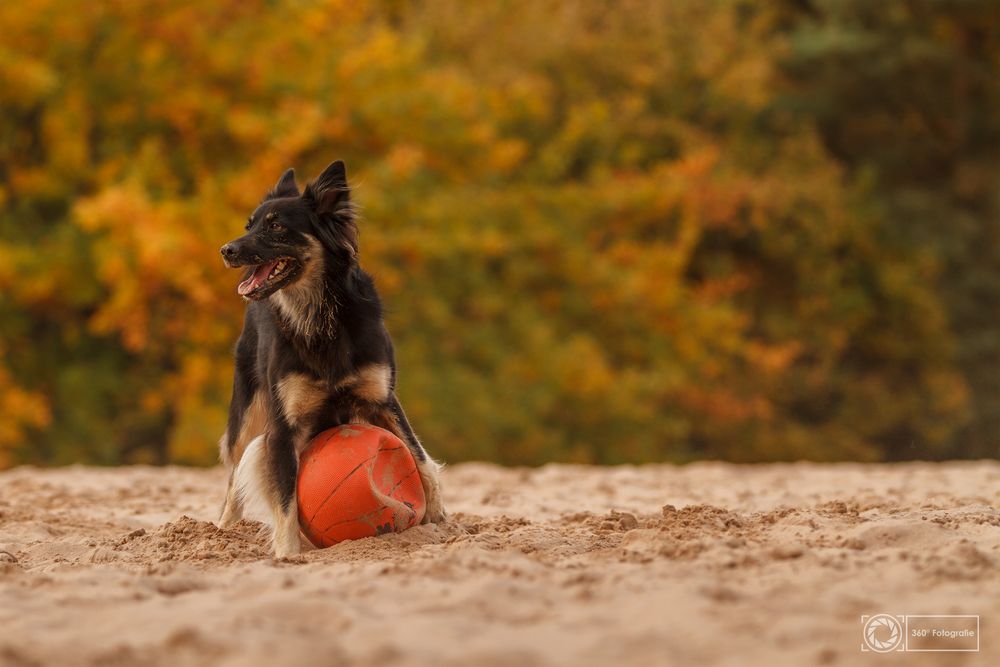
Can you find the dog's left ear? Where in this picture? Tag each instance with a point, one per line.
(329, 193)
(285, 187)
(330, 197)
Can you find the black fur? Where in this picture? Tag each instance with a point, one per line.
(323, 324)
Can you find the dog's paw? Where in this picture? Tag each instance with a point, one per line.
(229, 517)
(286, 550)
(434, 511)
(286, 534)
(430, 473)
(439, 516)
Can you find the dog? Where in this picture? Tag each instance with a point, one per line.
(314, 352)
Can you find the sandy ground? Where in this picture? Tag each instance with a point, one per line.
(564, 565)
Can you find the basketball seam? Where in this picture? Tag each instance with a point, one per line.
(412, 511)
(339, 484)
(408, 476)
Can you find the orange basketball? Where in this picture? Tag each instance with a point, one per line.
(357, 481)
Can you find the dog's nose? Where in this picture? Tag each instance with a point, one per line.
(229, 251)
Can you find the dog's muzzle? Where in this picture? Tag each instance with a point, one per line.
(230, 253)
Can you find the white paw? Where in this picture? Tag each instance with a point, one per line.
(286, 534)
(230, 516)
(287, 550)
(434, 511)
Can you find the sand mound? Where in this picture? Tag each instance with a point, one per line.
(193, 541)
(563, 565)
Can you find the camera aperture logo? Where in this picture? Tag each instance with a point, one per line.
(884, 633)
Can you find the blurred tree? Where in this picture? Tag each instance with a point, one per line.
(604, 231)
(906, 96)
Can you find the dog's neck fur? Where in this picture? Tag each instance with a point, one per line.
(321, 313)
(308, 307)
(308, 314)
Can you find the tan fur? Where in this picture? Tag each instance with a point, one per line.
(371, 383)
(300, 397)
(224, 457)
(286, 532)
(297, 302)
(254, 423)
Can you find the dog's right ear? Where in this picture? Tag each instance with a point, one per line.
(285, 187)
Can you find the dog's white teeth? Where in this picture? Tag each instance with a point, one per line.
(278, 268)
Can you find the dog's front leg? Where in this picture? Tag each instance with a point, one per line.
(283, 465)
(265, 480)
(392, 418)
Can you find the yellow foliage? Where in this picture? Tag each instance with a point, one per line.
(596, 239)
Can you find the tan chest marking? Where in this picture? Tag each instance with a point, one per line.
(299, 301)
(301, 396)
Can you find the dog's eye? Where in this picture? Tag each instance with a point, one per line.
(249, 223)
(272, 222)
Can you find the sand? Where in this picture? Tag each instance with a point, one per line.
(564, 565)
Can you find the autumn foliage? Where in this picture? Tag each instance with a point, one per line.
(605, 232)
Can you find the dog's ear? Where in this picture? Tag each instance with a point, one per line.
(330, 198)
(285, 187)
(330, 192)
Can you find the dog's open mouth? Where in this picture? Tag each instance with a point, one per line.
(267, 277)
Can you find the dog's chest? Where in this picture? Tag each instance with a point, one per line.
(301, 397)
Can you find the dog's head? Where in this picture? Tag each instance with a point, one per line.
(292, 235)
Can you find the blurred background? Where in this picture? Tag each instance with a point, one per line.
(605, 231)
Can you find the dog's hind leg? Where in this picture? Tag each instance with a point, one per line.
(247, 419)
(232, 507)
(264, 488)
(244, 426)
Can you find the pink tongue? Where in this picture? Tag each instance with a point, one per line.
(258, 277)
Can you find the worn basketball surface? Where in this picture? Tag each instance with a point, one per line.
(357, 481)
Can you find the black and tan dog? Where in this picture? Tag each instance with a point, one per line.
(314, 352)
